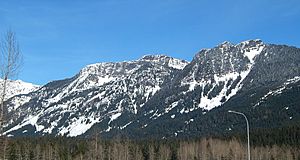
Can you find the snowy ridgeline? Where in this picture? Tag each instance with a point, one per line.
(16, 87)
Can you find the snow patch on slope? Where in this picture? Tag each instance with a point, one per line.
(252, 53)
(208, 104)
(278, 90)
(30, 120)
(78, 126)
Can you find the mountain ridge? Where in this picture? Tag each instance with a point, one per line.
(159, 96)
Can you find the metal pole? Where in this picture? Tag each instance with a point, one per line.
(248, 135)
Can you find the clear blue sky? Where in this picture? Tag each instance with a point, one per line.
(59, 37)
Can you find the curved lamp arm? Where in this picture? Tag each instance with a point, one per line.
(248, 135)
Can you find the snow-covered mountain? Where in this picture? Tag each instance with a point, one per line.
(99, 92)
(225, 77)
(212, 78)
(160, 96)
(15, 87)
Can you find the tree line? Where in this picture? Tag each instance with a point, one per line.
(211, 148)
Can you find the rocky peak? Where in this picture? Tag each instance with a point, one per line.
(165, 61)
(225, 44)
(226, 50)
(154, 57)
(251, 43)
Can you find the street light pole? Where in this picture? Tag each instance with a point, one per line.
(248, 135)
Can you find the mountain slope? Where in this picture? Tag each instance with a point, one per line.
(99, 93)
(225, 77)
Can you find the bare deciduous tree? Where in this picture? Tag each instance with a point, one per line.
(10, 62)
